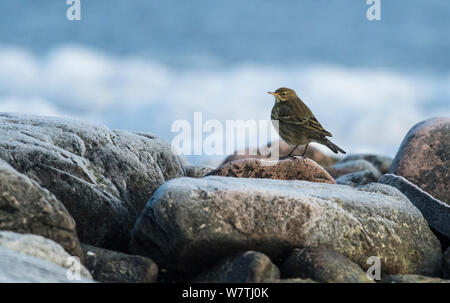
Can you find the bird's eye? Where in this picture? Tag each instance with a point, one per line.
(284, 94)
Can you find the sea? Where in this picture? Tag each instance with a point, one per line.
(141, 65)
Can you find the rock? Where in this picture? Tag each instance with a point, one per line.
(381, 163)
(289, 169)
(312, 153)
(446, 264)
(358, 178)
(412, 279)
(197, 171)
(40, 247)
(322, 264)
(190, 224)
(424, 157)
(111, 266)
(16, 267)
(435, 212)
(25, 207)
(247, 267)
(102, 177)
(343, 168)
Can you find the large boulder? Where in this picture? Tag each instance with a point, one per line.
(17, 267)
(112, 266)
(424, 157)
(322, 264)
(40, 247)
(190, 224)
(289, 169)
(247, 267)
(25, 207)
(435, 212)
(103, 177)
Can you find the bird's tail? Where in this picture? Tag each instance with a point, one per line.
(336, 149)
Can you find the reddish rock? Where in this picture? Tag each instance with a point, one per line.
(312, 153)
(424, 157)
(288, 169)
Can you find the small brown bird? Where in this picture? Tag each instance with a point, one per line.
(296, 123)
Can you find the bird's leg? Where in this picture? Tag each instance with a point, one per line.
(304, 152)
(292, 150)
(289, 155)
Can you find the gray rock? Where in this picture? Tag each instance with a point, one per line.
(40, 247)
(100, 175)
(111, 266)
(436, 212)
(16, 267)
(358, 178)
(25, 207)
(190, 224)
(446, 264)
(412, 279)
(322, 264)
(381, 163)
(248, 267)
(343, 168)
(197, 171)
(424, 157)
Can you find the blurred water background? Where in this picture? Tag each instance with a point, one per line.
(139, 65)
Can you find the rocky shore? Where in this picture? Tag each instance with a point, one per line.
(129, 210)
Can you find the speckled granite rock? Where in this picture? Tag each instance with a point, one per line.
(322, 264)
(424, 157)
(16, 267)
(435, 212)
(112, 266)
(190, 224)
(100, 175)
(288, 169)
(25, 207)
(40, 247)
(247, 267)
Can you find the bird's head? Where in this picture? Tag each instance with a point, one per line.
(284, 94)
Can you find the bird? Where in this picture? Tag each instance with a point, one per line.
(297, 125)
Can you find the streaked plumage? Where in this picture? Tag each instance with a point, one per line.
(297, 124)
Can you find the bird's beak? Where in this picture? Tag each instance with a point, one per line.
(272, 93)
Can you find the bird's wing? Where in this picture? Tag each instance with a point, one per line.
(309, 123)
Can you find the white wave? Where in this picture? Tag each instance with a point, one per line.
(366, 110)
(30, 106)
